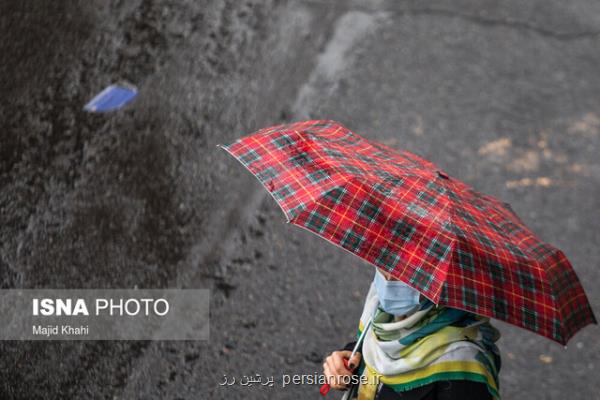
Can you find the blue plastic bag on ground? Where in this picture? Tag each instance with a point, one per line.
(111, 98)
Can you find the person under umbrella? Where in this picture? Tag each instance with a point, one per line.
(417, 350)
(449, 258)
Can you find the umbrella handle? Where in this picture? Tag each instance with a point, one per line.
(326, 386)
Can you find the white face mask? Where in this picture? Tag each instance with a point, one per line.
(395, 297)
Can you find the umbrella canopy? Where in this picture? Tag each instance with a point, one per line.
(458, 247)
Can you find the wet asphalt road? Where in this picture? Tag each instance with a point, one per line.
(504, 95)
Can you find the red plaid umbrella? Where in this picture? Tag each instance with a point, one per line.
(402, 213)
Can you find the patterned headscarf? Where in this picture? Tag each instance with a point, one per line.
(432, 344)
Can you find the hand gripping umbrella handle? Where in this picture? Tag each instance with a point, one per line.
(326, 386)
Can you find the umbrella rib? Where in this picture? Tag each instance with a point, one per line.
(388, 217)
(255, 176)
(436, 295)
(283, 168)
(312, 144)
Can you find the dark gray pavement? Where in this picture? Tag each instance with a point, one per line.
(504, 95)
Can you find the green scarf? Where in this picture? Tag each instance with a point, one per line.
(432, 344)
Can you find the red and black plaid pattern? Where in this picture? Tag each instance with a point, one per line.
(400, 212)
